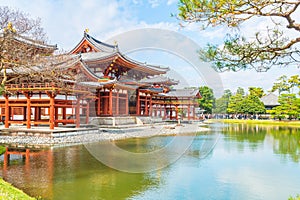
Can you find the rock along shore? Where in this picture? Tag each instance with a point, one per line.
(104, 134)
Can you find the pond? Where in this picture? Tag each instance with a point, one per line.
(229, 162)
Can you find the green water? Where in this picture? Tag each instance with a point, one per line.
(247, 162)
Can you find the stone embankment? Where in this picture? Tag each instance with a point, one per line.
(105, 134)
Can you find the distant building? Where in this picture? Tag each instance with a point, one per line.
(270, 101)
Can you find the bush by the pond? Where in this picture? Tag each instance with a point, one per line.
(2, 150)
(9, 192)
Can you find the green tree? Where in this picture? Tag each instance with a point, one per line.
(240, 91)
(207, 101)
(294, 81)
(249, 104)
(281, 85)
(286, 84)
(289, 107)
(252, 105)
(266, 48)
(235, 104)
(256, 91)
(221, 104)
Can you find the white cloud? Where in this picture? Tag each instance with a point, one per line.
(170, 2)
(153, 3)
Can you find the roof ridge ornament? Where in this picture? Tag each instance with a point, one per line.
(86, 31)
(10, 28)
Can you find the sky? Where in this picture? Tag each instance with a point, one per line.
(64, 22)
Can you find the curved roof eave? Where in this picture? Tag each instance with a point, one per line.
(100, 46)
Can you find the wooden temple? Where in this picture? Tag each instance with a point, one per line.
(96, 80)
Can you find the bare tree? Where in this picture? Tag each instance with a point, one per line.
(24, 55)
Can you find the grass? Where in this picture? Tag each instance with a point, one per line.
(263, 122)
(9, 192)
(2, 150)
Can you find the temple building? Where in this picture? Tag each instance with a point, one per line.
(95, 80)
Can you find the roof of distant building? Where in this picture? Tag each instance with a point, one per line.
(270, 100)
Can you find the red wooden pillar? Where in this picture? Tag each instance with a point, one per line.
(176, 110)
(28, 116)
(146, 105)
(189, 110)
(117, 103)
(126, 104)
(64, 114)
(51, 112)
(138, 102)
(150, 106)
(6, 111)
(194, 112)
(98, 103)
(56, 116)
(77, 112)
(24, 113)
(87, 112)
(110, 104)
(36, 114)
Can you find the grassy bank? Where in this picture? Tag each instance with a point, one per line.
(263, 122)
(9, 192)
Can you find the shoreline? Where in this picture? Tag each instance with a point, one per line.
(256, 122)
(104, 134)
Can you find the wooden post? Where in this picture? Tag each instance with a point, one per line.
(98, 104)
(64, 114)
(126, 104)
(77, 112)
(36, 114)
(110, 105)
(194, 112)
(138, 102)
(87, 112)
(176, 110)
(6, 111)
(51, 112)
(55, 116)
(117, 103)
(146, 105)
(28, 116)
(150, 106)
(189, 110)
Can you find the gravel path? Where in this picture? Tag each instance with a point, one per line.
(104, 135)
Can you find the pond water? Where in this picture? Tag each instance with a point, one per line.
(245, 162)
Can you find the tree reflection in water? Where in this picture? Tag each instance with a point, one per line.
(285, 140)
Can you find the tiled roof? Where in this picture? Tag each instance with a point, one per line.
(101, 45)
(270, 100)
(182, 93)
(160, 79)
(35, 43)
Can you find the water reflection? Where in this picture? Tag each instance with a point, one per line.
(238, 168)
(68, 173)
(284, 140)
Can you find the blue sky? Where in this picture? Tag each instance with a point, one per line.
(65, 20)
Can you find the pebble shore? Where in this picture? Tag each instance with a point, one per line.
(104, 135)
